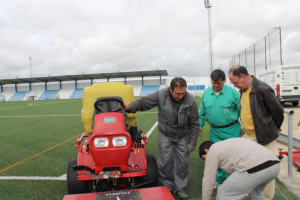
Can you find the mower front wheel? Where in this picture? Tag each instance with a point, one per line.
(152, 172)
(74, 186)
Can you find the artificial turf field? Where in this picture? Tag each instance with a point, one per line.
(38, 140)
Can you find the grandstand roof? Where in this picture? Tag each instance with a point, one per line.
(85, 77)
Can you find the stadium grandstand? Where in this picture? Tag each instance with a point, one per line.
(71, 86)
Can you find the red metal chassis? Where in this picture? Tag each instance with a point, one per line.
(296, 157)
(154, 193)
(131, 159)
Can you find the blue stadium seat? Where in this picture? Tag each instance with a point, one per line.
(50, 94)
(149, 89)
(18, 96)
(196, 87)
(77, 94)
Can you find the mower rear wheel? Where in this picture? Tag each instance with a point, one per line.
(75, 186)
(152, 172)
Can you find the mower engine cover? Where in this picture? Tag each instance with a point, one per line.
(110, 144)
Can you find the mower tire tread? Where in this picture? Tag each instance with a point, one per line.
(152, 171)
(74, 186)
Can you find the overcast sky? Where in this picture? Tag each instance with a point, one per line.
(65, 37)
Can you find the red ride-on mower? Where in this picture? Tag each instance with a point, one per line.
(111, 158)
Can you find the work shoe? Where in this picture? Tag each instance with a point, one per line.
(182, 195)
(172, 191)
(216, 186)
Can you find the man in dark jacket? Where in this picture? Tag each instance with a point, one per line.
(261, 113)
(178, 129)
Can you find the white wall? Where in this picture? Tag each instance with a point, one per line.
(193, 81)
(66, 90)
(83, 85)
(8, 91)
(52, 86)
(36, 91)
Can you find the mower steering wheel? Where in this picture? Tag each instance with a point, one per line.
(106, 99)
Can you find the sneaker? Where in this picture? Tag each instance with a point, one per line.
(172, 191)
(182, 195)
(216, 186)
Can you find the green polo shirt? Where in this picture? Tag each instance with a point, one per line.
(220, 110)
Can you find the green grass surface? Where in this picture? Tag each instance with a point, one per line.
(36, 140)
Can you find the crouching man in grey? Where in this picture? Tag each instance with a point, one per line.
(178, 129)
(250, 165)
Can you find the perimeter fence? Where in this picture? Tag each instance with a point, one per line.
(265, 53)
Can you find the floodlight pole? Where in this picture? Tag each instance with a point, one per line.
(30, 58)
(208, 6)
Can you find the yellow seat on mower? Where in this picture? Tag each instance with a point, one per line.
(108, 89)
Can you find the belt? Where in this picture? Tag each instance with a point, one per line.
(262, 166)
(226, 125)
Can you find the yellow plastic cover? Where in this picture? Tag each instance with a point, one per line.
(91, 93)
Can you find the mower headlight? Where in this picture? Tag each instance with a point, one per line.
(101, 142)
(119, 141)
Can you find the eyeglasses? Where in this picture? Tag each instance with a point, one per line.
(235, 83)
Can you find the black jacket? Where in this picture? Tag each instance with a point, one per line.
(267, 112)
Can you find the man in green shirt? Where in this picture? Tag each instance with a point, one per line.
(220, 107)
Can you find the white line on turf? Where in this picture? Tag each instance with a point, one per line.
(13, 107)
(35, 104)
(147, 113)
(67, 115)
(60, 178)
(40, 104)
(151, 130)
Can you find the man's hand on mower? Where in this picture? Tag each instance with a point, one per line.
(189, 148)
(125, 107)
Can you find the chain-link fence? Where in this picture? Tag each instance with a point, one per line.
(265, 53)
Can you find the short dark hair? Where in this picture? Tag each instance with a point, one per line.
(177, 82)
(203, 146)
(217, 75)
(238, 70)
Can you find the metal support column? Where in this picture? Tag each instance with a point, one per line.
(290, 142)
(159, 79)
(280, 45)
(254, 67)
